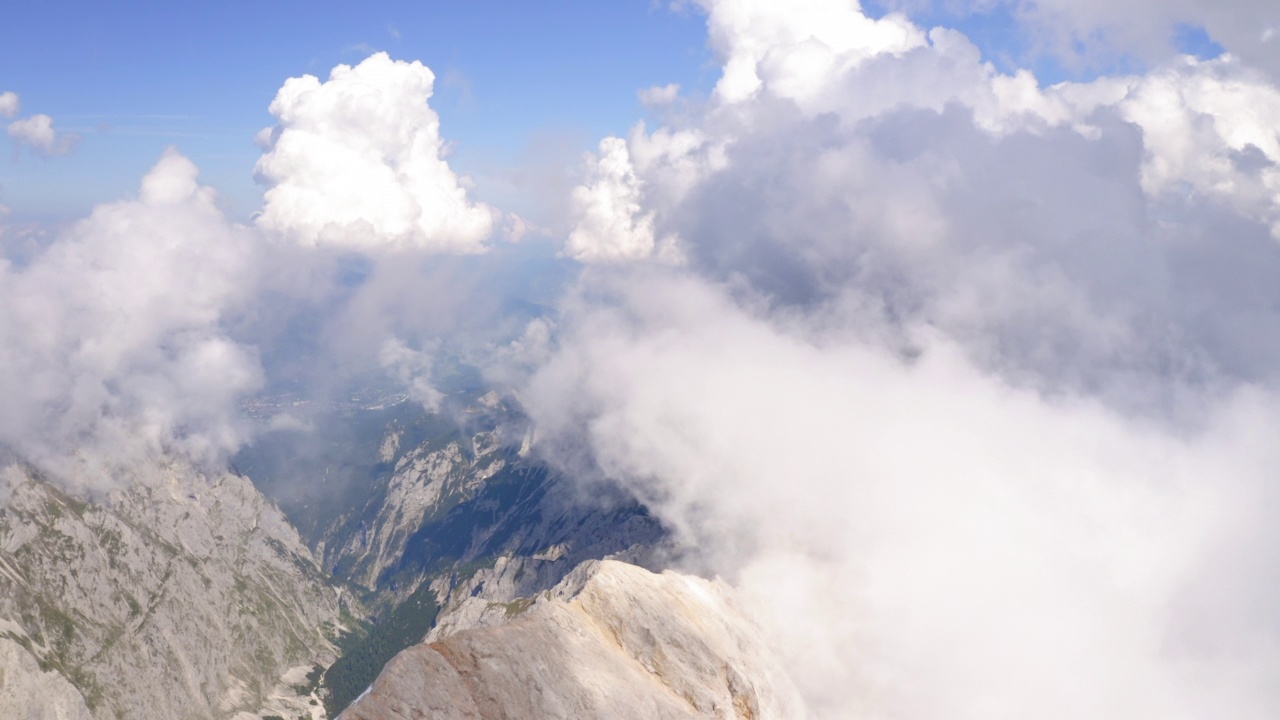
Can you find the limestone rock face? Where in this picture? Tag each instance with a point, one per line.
(28, 692)
(428, 481)
(181, 595)
(468, 514)
(610, 641)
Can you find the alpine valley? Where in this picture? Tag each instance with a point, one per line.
(381, 562)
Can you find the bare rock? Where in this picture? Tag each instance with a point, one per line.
(179, 595)
(611, 641)
(32, 694)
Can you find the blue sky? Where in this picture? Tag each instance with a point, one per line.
(513, 79)
(133, 78)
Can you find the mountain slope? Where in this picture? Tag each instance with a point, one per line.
(28, 692)
(183, 595)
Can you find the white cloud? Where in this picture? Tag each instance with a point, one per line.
(967, 382)
(791, 45)
(411, 368)
(1102, 31)
(112, 339)
(924, 539)
(38, 132)
(9, 104)
(659, 95)
(1211, 126)
(610, 226)
(880, 181)
(357, 162)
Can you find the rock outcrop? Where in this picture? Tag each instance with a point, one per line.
(181, 595)
(612, 640)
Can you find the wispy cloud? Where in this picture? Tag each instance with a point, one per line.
(10, 104)
(38, 133)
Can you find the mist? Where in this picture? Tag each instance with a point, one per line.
(966, 383)
(925, 539)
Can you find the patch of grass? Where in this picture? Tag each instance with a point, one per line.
(515, 607)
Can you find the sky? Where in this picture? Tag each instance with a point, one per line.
(947, 333)
(518, 80)
(134, 78)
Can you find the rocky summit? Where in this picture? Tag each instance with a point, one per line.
(612, 640)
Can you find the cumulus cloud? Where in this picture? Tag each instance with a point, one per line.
(38, 133)
(358, 162)
(966, 382)
(796, 44)
(610, 225)
(113, 338)
(1062, 228)
(9, 104)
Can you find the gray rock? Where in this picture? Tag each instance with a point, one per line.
(30, 693)
(611, 641)
(183, 595)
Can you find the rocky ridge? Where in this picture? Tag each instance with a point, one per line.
(611, 640)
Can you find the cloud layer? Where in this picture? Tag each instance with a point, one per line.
(967, 382)
(924, 539)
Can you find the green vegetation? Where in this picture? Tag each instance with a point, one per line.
(515, 607)
(366, 650)
(313, 682)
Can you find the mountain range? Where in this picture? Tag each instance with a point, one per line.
(410, 559)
